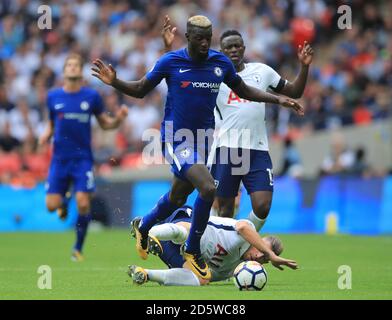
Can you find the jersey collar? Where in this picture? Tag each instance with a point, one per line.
(189, 57)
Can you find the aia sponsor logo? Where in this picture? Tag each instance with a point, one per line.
(233, 97)
(217, 259)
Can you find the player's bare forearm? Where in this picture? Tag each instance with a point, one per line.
(250, 93)
(48, 133)
(296, 88)
(251, 236)
(50, 128)
(137, 89)
(107, 74)
(305, 56)
(253, 94)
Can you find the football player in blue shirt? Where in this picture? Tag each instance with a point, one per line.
(70, 110)
(193, 76)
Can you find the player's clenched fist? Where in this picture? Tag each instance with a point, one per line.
(105, 73)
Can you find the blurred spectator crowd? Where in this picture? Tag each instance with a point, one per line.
(350, 81)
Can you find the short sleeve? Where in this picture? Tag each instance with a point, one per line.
(232, 79)
(159, 71)
(98, 107)
(275, 81)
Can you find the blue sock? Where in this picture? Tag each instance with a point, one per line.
(160, 212)
(200, 215)
(81, 230)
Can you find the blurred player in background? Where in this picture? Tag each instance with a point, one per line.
(193, 76)
(225, 243)
(70, 111)
(239, 115)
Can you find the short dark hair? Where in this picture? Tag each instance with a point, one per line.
(229, 33)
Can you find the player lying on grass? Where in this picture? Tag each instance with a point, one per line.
(225, 243)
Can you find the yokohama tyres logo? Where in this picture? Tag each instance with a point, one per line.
(203, 85)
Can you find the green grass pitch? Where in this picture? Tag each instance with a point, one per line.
(103, 274)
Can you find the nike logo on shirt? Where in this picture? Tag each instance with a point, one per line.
(185, 70)
(59, 106)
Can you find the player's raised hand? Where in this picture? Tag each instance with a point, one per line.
(105, 73)
(292, 104)
(278, 262)
(305, 53)
(168, 33)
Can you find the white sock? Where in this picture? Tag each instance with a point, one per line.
(173, 277)
(170, 232)
(259, 223)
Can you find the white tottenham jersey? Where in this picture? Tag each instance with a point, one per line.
(234, 114)
(222, 247)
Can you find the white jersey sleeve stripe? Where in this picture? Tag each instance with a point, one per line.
(221, 226)
(174, 157)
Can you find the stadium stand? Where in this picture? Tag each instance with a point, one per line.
(349, 84)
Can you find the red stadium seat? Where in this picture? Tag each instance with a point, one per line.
(38, 164)
(302, 30)
(131, 160)
(24, 179)
(10, 163)
(362, 116)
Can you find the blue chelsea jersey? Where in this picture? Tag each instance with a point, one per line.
(71, 114)
(193, 87)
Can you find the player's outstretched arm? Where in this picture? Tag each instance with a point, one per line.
(107, 123)
(250, 93)
(251, 236)
(296, 88)
(168, 34)
(107, 74)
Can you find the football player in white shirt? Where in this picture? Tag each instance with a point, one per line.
(241, 141)
(225, 243)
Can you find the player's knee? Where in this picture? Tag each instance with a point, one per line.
(52, 205)
(208, 191)
(262, 209)
(178, 200)
(83, 207)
